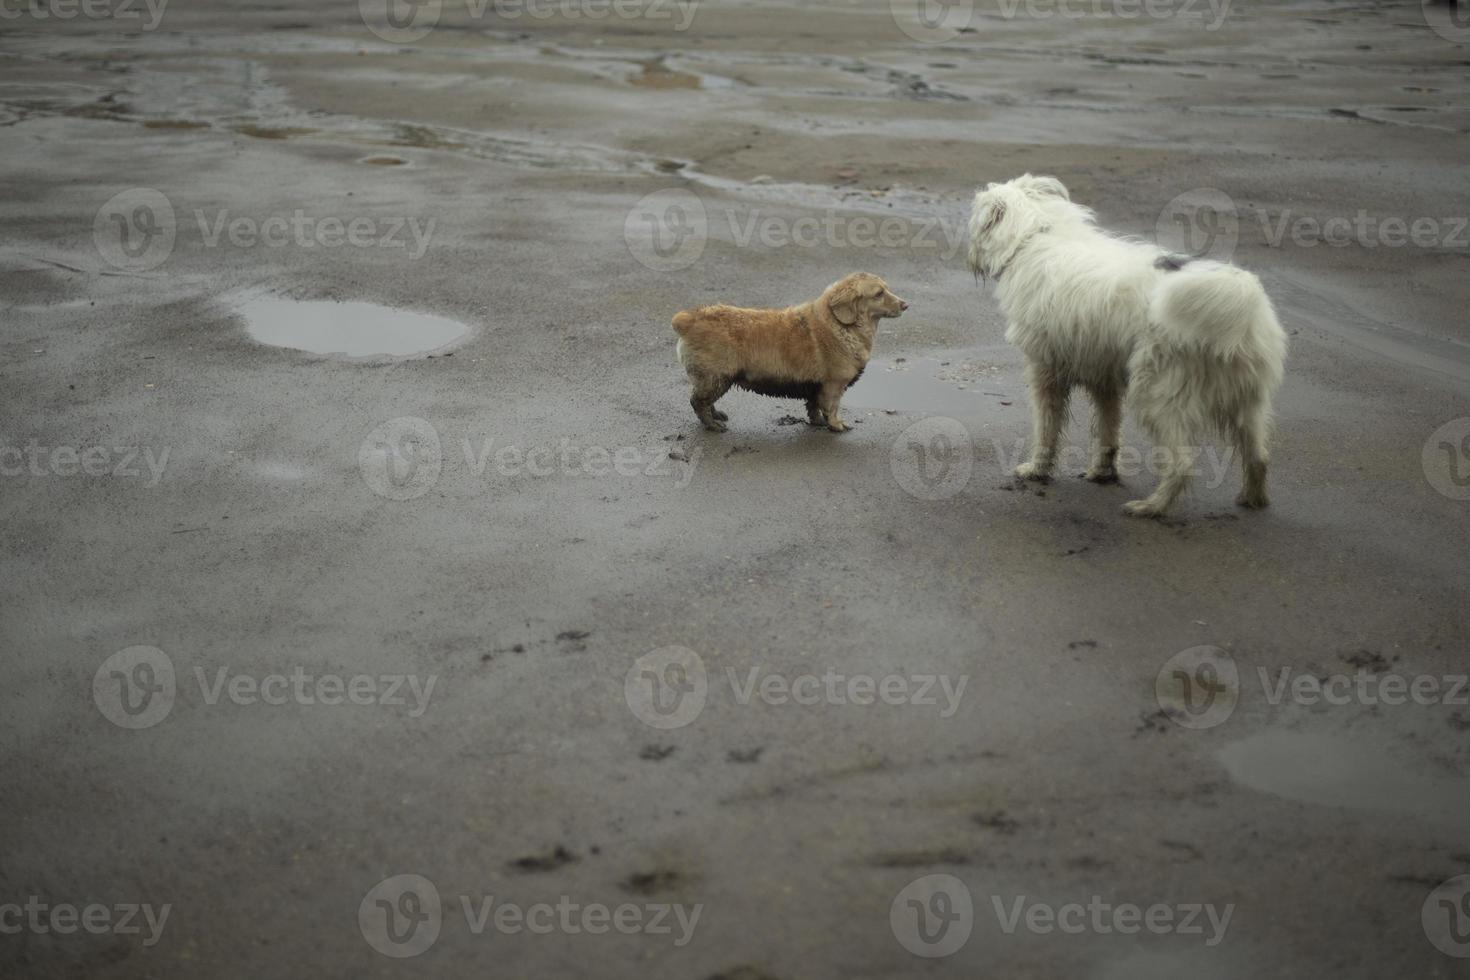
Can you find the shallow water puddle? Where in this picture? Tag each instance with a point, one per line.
(926, 385)
(350, 329)
(1357, 774)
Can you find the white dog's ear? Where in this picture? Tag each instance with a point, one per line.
(993, 215)
(842, 300)
(1046, 186)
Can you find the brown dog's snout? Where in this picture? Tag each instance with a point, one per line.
(903, 304)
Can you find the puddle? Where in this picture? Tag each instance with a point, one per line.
(348, 329)
(383, 161)
(952, 387)
(1337, 772)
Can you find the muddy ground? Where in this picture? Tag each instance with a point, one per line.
(507, 538)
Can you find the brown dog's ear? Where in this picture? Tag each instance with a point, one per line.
(842, 301)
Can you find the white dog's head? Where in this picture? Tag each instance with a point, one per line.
(1004, 216)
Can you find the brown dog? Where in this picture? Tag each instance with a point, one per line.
(814, 351)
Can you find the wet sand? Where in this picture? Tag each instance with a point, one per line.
(499, 169)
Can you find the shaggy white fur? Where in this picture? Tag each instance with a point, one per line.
(1194, 344)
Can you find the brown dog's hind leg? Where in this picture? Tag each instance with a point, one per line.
(814, 414)
(702, 399)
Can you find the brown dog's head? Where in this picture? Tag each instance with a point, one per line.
(861, 296)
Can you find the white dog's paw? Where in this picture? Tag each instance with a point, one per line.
(1033, 471)
(1143, 508)
(1101, 474)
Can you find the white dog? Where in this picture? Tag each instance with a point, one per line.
(1195, 344)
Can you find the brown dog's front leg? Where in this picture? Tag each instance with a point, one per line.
(814, 414)
(831, 396)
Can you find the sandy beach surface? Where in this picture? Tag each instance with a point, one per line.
(338, 657)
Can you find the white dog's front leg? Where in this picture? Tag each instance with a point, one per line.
(1049, 397)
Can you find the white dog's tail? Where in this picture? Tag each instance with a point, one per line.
(1219, 308)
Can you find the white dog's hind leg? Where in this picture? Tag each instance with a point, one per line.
(1177, 466)
(1107, 419)
(1250, 441)
(1049, 397)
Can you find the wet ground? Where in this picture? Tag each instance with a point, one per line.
(554, 642)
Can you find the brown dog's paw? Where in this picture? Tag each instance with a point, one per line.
(1252, 501)
(1100, 476)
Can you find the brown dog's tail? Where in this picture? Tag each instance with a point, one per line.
(683, 320)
